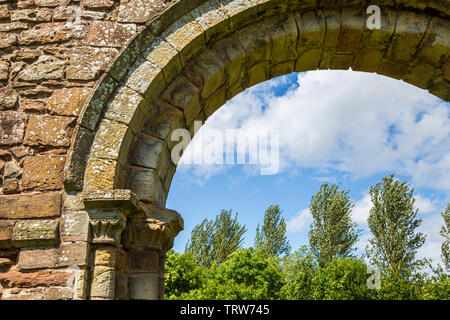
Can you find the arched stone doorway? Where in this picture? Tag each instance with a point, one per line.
(183, 66)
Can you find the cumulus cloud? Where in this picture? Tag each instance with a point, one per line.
(299, 222)
(361, 210)
(432, 246)
(352, 122)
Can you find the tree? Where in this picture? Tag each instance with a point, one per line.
(332, 233)
(182, 274)
(247, 274)
(271, 238)
(299, 268)
(341, 279)
(215, 240)
(393, 224)
(445, 233)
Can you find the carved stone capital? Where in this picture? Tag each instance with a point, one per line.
(108, 211)
(107, 227)
(156, 231)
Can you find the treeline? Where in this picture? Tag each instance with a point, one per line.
(215, 266)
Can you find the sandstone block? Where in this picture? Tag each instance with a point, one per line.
(311, 29)
(4, 70)
(7, 39)
(68, 101)
(147, 152)
(103, 282)
(105, 256)
(213, 19)
(31, 15)
(6, 231)
(88, 63)
(35, 233)
(11, 186)
(29, 105)
(139, 10)
(127, 108)
(68, 254)
(162, 119)
(4, 12)
(147, 185)
(47, 33)
(143, 286)
(51, 3)
(147, 79)
(12, 126)
(183, 94)
(12, 170)
(145, 261)
(43, 173)
(95, 4)
(206, 72)
(420, 74)
(283, 32)
(407, 37)
(74, 226)
(29, 206)
(109, 34)
(35, 279)
(45, 68)
(166, 58)
(49, 131)
(111, 139)
(256, 43)
(101, 174)
(186, 36)
(39, 293)
(435, 48)
(121, 287)
(353, 26)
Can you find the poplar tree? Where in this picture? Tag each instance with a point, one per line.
(271, 238)
(332, 233)
(445, 233)
(215, 240)
(393, 224)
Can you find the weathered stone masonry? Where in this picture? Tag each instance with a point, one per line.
(91, 90)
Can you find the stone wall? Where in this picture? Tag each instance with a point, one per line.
(52, 53)
(141, 68)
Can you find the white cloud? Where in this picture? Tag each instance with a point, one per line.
(361, 210)
(301, 221)
(425, 205)
(432, 246)
(353, 122)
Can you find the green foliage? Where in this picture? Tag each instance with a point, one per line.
(341, 279)
(247, 274)
(272, 236)
(437, 287)
(182, 274)
(332, 233)
(298, 269)
(215, 240)
(393, 224)
(445, 233)
(396, 287)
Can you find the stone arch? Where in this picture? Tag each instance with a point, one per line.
(187, 63)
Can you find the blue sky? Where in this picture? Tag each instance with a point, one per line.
(335, 126)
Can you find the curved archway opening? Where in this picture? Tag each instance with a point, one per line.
(334, 126)
(186, 64)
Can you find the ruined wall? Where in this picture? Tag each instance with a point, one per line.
(54, 54)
